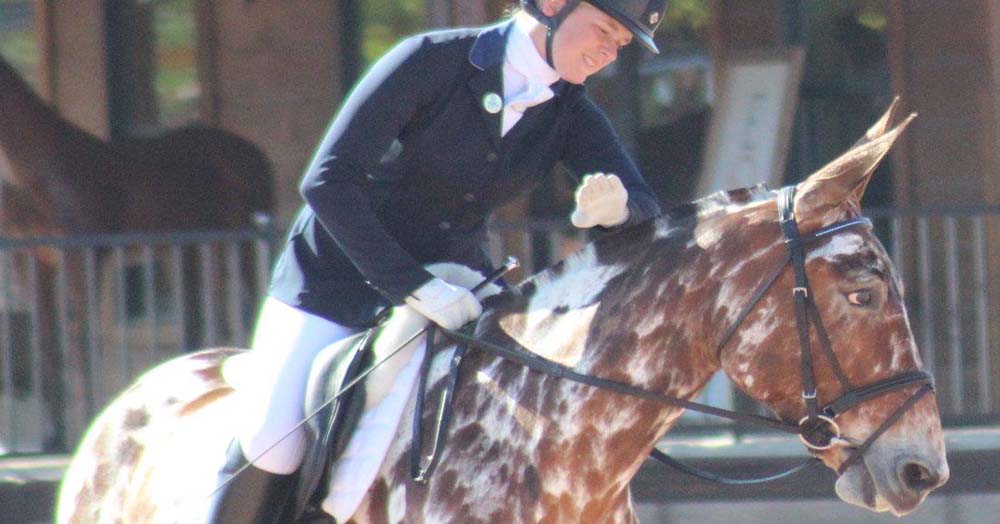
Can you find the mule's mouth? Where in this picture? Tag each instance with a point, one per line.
(861, 487)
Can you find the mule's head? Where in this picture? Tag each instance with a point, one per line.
(859, 299)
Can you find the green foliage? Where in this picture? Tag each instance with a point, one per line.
(685, 27)
(385, 22)
(17, 41)
(687, 14)
(175, 23)
(176, 82)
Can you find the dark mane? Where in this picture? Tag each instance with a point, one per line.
(608, 248)
(712, 203)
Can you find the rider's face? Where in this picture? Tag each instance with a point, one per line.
(586, 42)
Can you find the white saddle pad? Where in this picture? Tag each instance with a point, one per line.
(355, 471)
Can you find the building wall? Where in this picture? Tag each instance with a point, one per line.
(946, 66)
(941, 61)
(75, 65)
(272, 75)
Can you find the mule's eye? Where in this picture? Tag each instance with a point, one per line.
(860, 298)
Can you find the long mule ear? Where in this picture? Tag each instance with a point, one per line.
(845, 178)
(881, 125)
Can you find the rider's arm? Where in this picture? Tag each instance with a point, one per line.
(593, 147)
(334, 185)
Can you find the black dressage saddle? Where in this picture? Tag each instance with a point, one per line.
(335, 413)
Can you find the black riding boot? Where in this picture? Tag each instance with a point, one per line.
(254, 496)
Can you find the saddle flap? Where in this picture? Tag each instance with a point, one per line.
(335, 416)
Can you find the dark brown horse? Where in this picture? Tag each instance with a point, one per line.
(647, 307)
(60, 180)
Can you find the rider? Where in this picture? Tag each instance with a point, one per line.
(443, 129)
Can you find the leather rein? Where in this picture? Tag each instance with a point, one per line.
(818, 429)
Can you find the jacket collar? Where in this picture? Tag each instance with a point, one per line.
(488, 49)
(487, 54)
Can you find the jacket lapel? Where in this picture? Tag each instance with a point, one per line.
(544, 112)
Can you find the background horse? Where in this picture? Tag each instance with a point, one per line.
(648, 307)
(58, 180)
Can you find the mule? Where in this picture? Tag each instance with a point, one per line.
(660, 306)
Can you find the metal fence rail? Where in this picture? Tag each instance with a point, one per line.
(81, 317)
(949, 259)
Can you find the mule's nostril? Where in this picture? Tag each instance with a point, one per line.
(918, 477)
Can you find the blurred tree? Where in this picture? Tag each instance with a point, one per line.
(385, 22)
(18, 43)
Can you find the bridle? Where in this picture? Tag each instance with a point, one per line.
(818, 429)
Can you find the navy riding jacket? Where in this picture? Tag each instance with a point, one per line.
(413, 164)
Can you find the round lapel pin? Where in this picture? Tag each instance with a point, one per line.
(492, 103)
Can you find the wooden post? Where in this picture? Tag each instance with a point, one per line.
(991, 176)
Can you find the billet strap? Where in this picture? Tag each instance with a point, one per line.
(421, 470)
(417, 470)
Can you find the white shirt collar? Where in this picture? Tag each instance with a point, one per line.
(522, 54)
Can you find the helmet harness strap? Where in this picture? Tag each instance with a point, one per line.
(551, 23)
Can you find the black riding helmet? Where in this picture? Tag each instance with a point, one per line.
(641, 17)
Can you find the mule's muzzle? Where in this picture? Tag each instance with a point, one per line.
(917, 476)
(915, 479)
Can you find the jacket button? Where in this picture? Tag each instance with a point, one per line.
(445, 225)
(369, 176)
(469, 197)
(492, 157)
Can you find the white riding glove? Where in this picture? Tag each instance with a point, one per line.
(444, 304)
(601, 200)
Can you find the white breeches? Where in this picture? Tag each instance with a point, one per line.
(285, 342)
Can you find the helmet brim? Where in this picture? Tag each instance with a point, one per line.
(640, 33)
(647, 41)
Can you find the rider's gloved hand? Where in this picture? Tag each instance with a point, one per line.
(444, 304)
(601, 200)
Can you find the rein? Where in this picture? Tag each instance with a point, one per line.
(817, 430)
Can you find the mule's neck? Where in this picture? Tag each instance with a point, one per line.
(645, 307)
(631, 309)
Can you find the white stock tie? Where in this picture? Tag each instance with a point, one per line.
(533, 94)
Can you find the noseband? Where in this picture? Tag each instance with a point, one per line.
(818, 429)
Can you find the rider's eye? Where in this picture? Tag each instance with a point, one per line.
(860, 298)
